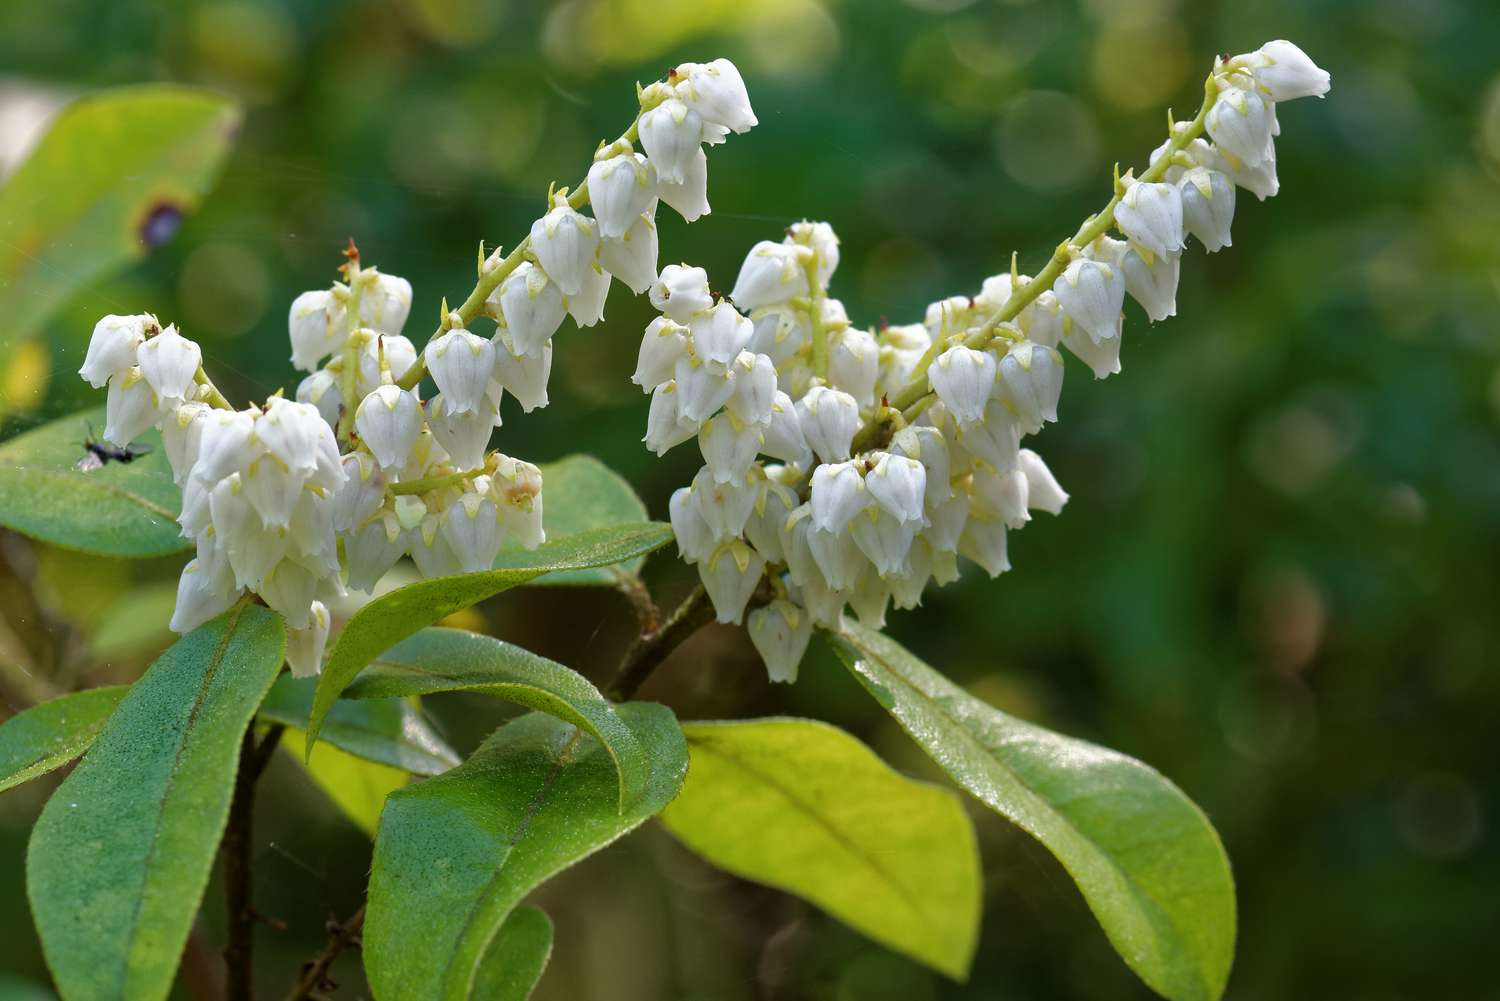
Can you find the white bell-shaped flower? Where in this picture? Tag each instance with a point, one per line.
(994, 438)
(907, 587)
(754, 397)
(517, 487)
(664, 343)
(884, 540)
(1286, 72)
(304, 647)
(632, 257)
(689, 196)
(983, 541)
(294, 433)
(837, 557)
(525, 377)
(464, 436)
(227, 444)
(838, 494)
(928, 446)
(621, 187)
(290, 589)
(717, 92)
(565, 242)
(271, 490)
(899, 485)
(1001, 495)
(321, 389)
(181, 436)
(1043, 492)
(1152, 282)
(461, 363)
(384, 302)
(870, 597)
(430, 549)
(666, 428)
(1260, 180)
(586, 307)
(397, 354)
(671, 134)
(1151, 216)
(694, 540)
(730, 575)
(946, 522)
(531, 306)
(772, 274)
(1240, 123)
(725, 506)
(729, 447)
(782, 437)
(1103, 357)
(964, 379)
(766, 526)
(780, 632)
(681, 291)
(472, 528)
(112, 348)
(780, 332)
(1207, 206)
(169, 362)
(1044, 320)
(389, 421)
(372, 550)
(824, 242)
(1031, 379)
(202, 594)
(130, 407)
(317, 326)
(360, 495)
(829, 419)
(1091, 294)
(854, 364)
(720, 334)
(702, 388)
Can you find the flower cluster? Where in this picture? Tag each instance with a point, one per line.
(898, 450)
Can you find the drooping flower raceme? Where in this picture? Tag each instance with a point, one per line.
(298, 500)
(899, 449)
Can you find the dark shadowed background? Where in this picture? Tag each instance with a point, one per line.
(1278, 579)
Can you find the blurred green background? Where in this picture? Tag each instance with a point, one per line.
(1278, 577)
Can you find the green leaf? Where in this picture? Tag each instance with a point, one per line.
(457, 853)
(456, 660)
(50, 735)
(357, 786)
(805, 807)
(1146, 859)
(582, 495)
(515, 962)
(387, 731)
(107, 182)
(397, 614)
(117, 510)
(121, 853)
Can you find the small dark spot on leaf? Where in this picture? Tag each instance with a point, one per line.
(160, 224)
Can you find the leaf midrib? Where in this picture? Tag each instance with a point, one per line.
(91, 484)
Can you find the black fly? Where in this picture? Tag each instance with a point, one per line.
(97, 453)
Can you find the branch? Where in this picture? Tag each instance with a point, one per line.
(314, 979)
(651, 648)
(239, 950)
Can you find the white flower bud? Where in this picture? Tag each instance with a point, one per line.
(1103, 357)
(294, 433)
(472, 528)
(993, 439)
(681, 291)
(565, 242)
(730, 576)
(720, 334)
(1286, 72)
(112, 348)
(1044, 493)
(854, 364)
(460, 363)
(702, 388)
(964, 379)
(899, 485)
(202, 594)
(181, 437)
(725, 506)
(466, 436)
(665, 426)
(430, 550)
(517, 487)
(983, 542)
(780, 632)
(1000, 495)
(766, 525)
(671, 133)
(780, 332)
(389, 421)
(1207, 206)
(271, 491)
(384, 302)
(838, 494)
(397, 353)
(632, 257)
(823, 241)
(361, 494)
(1240, 123)
(1031, 379)
(371, 551)
(1092, 293)
(689, 197)
(884, 539)
(227, 444)
(525, 378)
(317, 327)
(772, 274)
(620, 189)
(1152, 283)
(1151, 216)
(717, 92)
(289, 589)
(665, 342)
(1260, 181)
(782, 437)
(531, 307)
(130, 407)
(906, 588)
(304, 647)
(754, 395)
(869, 598)
(694, 540)
(729, 447)
(829, 419)
(586, 306)
(928, 446)
(169, 362)
(1044, 320)
(838, 559)
(321, 389)
(947, 522)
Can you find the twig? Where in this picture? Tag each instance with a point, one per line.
(239, 950)
(314, 980)
(651, 648)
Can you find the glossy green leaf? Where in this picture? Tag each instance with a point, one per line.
(50, 735)
(387, 731)
(804, 807)
(121, 853)
(456, 853)
(398, 614)
(116, 510)
(357, 786)
(582, 495)
(456, 660)
(1146, 859)
(518, 957)
(111, 179)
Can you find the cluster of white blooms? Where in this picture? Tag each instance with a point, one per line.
(845, 516)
